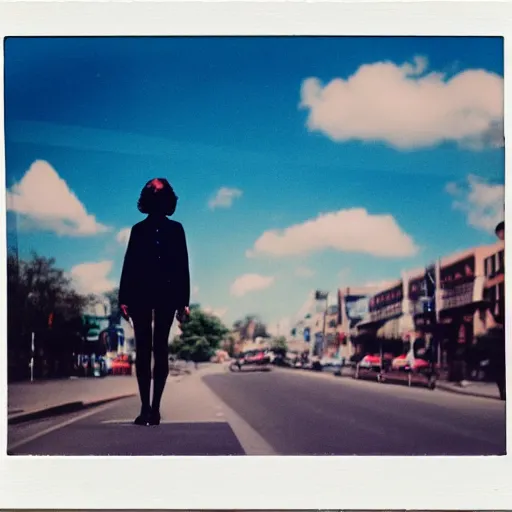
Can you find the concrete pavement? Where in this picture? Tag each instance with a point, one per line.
(480, 389)
(194, 422)
(28, 400)
(43, 398)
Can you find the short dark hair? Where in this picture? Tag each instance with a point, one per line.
(158, 197)
(500, 227)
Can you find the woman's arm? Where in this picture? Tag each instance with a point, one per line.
(127, 274)
(183, 270)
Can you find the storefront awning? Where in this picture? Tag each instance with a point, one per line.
(390, 330)
(395, 328)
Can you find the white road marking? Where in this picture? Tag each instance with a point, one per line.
(53, 428)
(252, 442)
(162, 422)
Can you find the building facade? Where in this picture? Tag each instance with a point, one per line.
(494, 293)
(465, 294)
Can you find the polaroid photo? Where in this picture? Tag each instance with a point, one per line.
(255, 256)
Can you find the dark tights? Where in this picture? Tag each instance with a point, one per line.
(146, 341)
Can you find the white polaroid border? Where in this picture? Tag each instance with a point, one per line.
(274, 483)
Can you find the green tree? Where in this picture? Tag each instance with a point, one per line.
(279, 346)
(201, 335)
(229, 345)
(41, 289)
(242, 327)
(41, 300)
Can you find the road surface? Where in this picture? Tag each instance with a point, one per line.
(301, 413)
(282, 412)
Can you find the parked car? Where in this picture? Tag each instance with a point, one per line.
(256, 359)
(121, 365)
(331, 365)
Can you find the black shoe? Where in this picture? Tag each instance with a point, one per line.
(154, 418)
(142, 419)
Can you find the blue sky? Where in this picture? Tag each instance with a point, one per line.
(339, 160)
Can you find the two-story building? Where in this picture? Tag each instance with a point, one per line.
(466, 290)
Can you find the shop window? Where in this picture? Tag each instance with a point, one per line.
(332, 310)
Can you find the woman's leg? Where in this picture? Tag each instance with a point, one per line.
(164, 317)
(142, 326)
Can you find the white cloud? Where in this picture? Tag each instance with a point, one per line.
(46, 201)
(224, 198)
(123, 236)
(250, 283)
(482, 202)
(93, 277)
(353, 230)
(304, 272)
(218, 312)
(406, 108)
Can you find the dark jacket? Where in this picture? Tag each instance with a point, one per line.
(155, 270)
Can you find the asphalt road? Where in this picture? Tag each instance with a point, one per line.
(280, 412)
(301, 413)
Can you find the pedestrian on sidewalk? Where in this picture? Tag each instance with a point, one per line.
(155, 284)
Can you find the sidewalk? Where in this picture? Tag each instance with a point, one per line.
(481, 389)
(42, 398)
(478, 389)
(32, 399)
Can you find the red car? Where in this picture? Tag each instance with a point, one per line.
(251, 358)
(121, 365)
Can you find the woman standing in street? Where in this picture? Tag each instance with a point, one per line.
(155, 284)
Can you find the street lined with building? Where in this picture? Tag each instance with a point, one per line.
(443, 321)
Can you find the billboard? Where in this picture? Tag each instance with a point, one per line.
(423, 286)
(387, 304)
(458, 284)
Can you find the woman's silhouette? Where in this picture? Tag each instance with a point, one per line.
(155, 283)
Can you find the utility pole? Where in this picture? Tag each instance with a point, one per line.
(437, 298)
(324, 340)
(319, 296)
(33, 349)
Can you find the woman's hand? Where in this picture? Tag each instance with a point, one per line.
(124, 312)
(183, 314)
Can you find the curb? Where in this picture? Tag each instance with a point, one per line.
(64, 408)
(464, 391)
(439, 385)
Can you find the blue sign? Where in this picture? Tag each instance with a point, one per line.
(307, 334)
